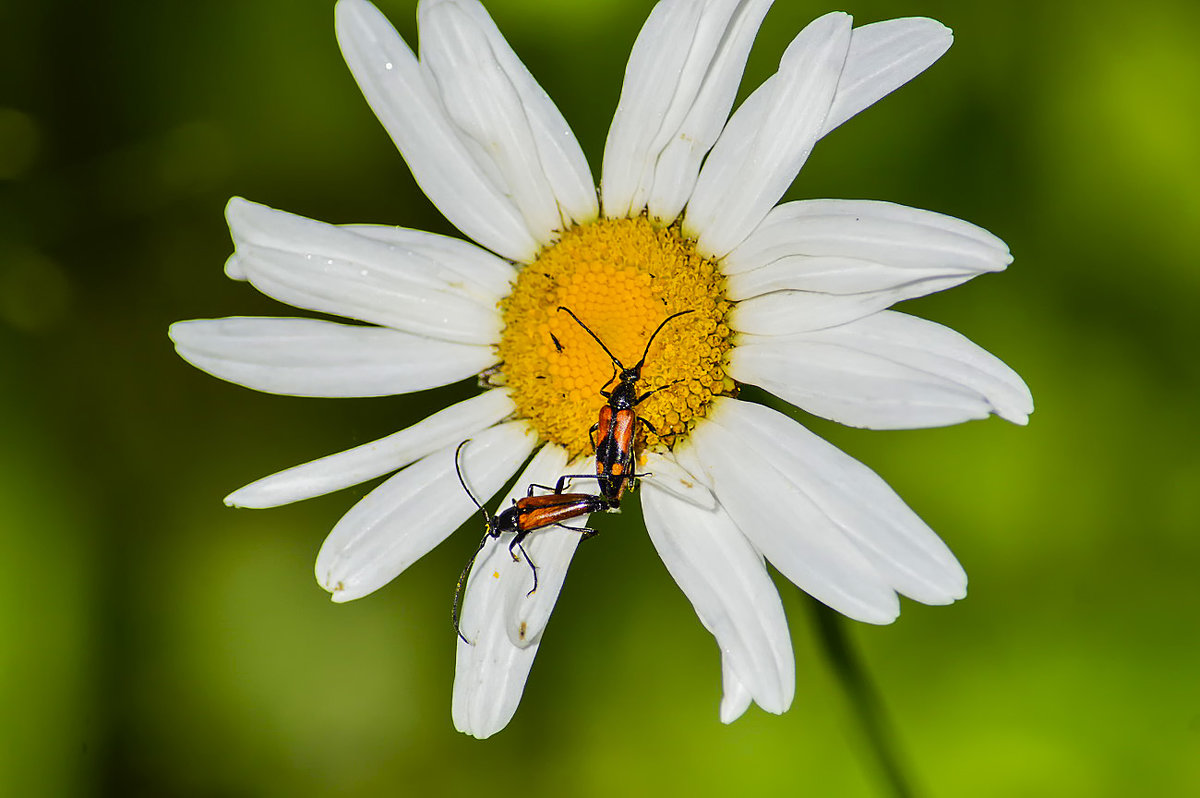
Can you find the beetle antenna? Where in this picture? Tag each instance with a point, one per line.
(455, 618)
(487, 519)
(596, 337)
(642, 362)
(466, 571)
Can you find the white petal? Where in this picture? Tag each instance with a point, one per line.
(400, 92)
(785, 313)
(852, 502)
(868, 229)
(831, 245)
(397, 523)
(768, 139)
(482, 274)
(669, 475)
(724, 577)
(883, 57)
(331, 269)
(374, 459)
(550, 549)
(820, 263)
(887, 371)
(775, 511)
(679, 85)
(490, 672)
(652, 74)
(254, 225)
(735, 698)
(514, 126)
(310, 357)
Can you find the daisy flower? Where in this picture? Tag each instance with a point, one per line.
(791, 297)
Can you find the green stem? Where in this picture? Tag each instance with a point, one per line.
(864, 698)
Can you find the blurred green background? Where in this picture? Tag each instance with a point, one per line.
(154, 642)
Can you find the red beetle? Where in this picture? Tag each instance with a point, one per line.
(526, 515)
(613, 434)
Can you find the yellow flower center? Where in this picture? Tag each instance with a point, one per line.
(622, 278)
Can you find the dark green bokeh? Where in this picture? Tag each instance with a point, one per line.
(157, 643)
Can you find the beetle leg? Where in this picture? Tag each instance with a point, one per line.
(650, 393)
(562, 482)
(584, 531)
(517, 543)
(610, 381)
